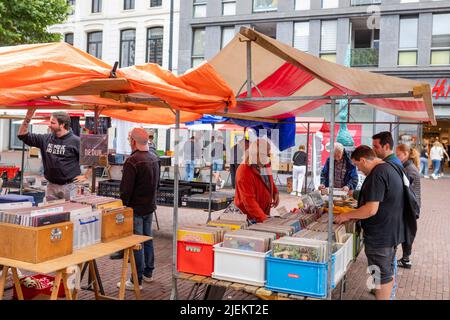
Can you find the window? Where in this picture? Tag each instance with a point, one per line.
(407, 48)
(227, 35)
(328, 39)
(96, 6)
(127, 47)
(301, 36)
(199, 8)
(327, 4)
(71, 3)
(407, 1)
(228, 7)
(302, 4)
(94, 44)
(440, 43)
(128, 4)
(155, 45)
(68, 38)
(155, 3)
(198, 46)
(265, 5)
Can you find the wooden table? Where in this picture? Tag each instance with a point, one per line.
(62, 267)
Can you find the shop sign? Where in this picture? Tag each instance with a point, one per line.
(94, 149)
(441, 89)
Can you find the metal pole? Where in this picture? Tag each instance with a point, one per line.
(330, 199)
(174, 293)
(94, 178)
(249, 69)
(22, 168)
(307, 158)
(170, 35)
(210, 177)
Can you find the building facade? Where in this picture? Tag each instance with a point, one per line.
(128, 31)
(404, 38)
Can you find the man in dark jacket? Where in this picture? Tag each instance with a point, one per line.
(138, 191)
(345, 173)
(60, 152)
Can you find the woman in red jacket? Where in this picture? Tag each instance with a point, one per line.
(256, 192)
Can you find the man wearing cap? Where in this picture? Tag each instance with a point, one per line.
(60, 150)
(138, 191)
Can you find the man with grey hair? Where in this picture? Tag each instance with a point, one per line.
(345, 173)
(138, 191)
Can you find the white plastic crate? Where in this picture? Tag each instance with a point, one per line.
(348, 250)
(343, 257)
(87, 228)
(241, 266)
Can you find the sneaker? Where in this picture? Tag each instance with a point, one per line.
(404, 263)
(434, 176)
(147, 279)
(293, 193)
(129, 285)
(426, 177)
(117, 256)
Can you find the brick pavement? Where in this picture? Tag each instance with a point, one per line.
(428, 279)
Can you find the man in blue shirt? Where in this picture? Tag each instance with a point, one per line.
(383, 145)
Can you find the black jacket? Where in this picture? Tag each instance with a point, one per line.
(140, 182)
(60, 156)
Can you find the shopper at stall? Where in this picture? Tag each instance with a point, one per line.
(60, 150)
(345, 173)
(191, 155)
(151, 142)
(444, 156)
(383, 145)
(424, 161)
(256, 192)
(138, 191)
(217, 159)
(380, 209)
(299, 160)
(411, 162)
(237, 157)
(436, 155)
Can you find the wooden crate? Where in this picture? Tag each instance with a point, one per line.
(117, 223)
(36, 244)
(289, 184)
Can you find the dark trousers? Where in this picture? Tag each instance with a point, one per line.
(145, 258)
(233, 170)
(407, 248)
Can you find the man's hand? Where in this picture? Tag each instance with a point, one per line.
(30, 113)
(24, 127)
(321, 187)
(340, 219)
(276, 200)
(346, 189)
(79, 179)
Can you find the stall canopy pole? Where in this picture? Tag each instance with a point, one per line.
(307, 158)
(96, 114)
(22, 168)
(330, 199)
(210, 174)
(249, 69)
(174, 293)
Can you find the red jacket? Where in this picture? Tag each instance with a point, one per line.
(253, 196)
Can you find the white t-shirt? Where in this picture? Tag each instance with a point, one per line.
(436, 153)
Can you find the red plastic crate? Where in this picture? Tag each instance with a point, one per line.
(43, 292)
(196, 258)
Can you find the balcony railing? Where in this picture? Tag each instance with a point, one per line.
(364, 2)
(364, 57)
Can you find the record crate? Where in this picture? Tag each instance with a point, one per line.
(166, 195)
(109, 188)
(195, 258)
(306, 278)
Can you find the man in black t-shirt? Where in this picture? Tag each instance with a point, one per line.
(380, 209)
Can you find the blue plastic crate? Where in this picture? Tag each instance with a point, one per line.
(298, 277)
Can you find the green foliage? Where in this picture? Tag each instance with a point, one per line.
(26, 21)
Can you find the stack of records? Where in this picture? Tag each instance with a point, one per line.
(279, 230)
(99, 202)
(338, 230)
(307, 218)
(300, 249)
(248, 240)
(291, 221)
(201, 234)
(310, 234)
(233, 216)
(44, 215)
(233, 224)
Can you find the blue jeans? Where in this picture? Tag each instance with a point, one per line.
(217, 165)
(190, 167)
(424, 166)
(436, 166)
(145, 258)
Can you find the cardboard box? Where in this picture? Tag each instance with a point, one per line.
(289, 184)
(36, 244)
(284, 166)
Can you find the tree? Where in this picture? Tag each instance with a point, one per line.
(26, 21)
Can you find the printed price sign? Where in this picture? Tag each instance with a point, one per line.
(94, 149)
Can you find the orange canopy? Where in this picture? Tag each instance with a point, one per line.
(62, 72)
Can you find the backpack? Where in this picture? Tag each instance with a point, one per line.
(411, 209)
